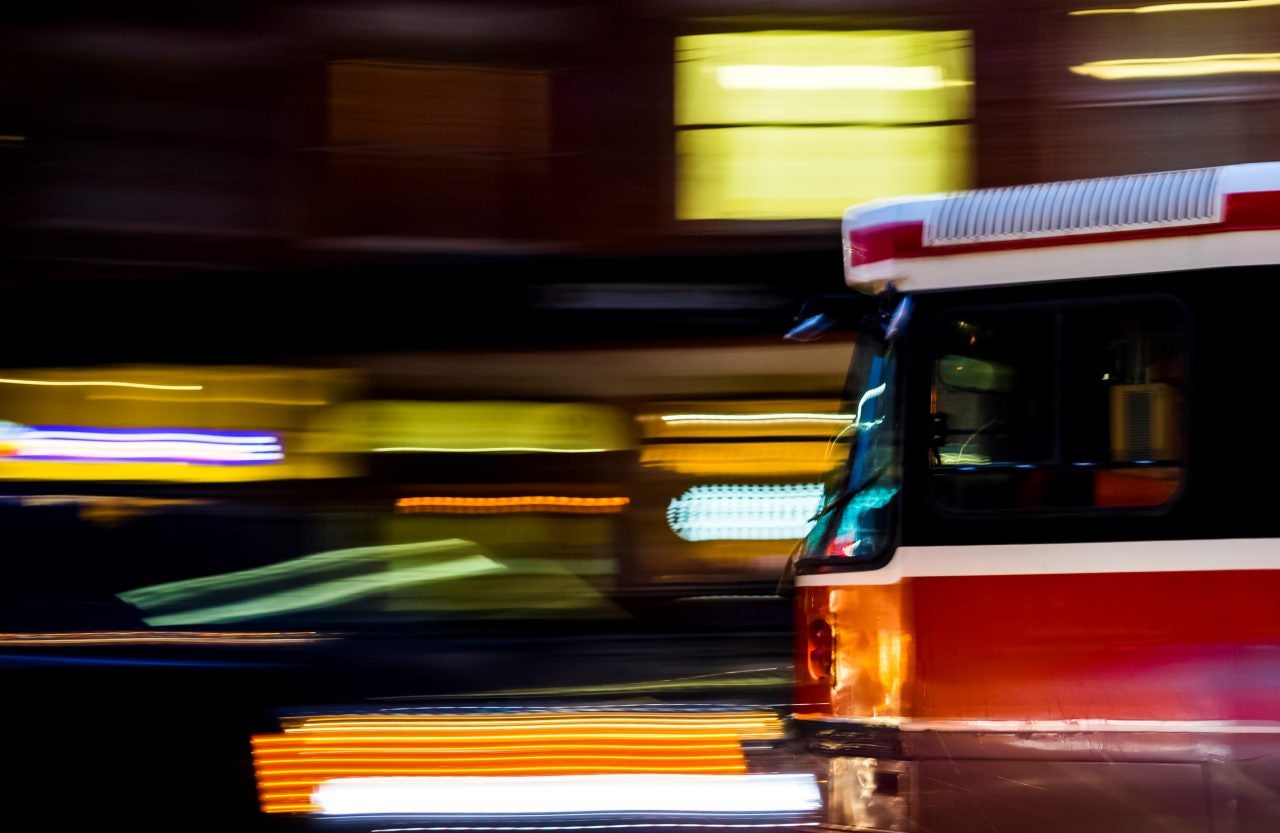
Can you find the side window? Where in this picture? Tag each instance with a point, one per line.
(1059, 407)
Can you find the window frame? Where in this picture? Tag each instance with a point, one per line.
(808, 226)
(923, 372)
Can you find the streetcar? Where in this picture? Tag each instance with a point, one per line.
(1043, 592)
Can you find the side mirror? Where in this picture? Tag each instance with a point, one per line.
(822, 313)
(811, 329)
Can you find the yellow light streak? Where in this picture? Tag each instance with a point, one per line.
(95, 384)
(1159, 8)
(773, 459)
(1193, 65)
(239, 400)
(839, 419)
(769, 419)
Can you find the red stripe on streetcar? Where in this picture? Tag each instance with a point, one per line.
(1249, 211)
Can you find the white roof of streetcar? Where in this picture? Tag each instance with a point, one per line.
(1124, 225)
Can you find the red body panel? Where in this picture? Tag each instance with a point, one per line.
(1121, 646)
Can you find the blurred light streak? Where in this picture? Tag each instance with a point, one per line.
(97, 384)
(318, 580)
(846, 77)
(745, 512)
(394, 426)
(497, 505)
(740, 459)
(239, 400)
(109, 501)
(648, 793)
(586, 708)
(421, 449)
(623, 826)
(1193, 65)
(1225, 5)
(329, 593)
(874, 393)
(701, 682)
(838, 419)
(143, 445)
(45, 660)
(771, 419)
(310, 751)
(159, 638)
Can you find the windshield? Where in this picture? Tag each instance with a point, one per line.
(853, 522)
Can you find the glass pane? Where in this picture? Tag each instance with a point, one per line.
(993, 383)
(783, 77)
(1059, 408)
(761, 173)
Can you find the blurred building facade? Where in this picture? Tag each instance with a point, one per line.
(615, 205)
(148, 141)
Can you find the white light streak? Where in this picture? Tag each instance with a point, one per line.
(867, 397)
(745, 513)
(650, 793)
(173, 450)
(151, 437)
(847, 77)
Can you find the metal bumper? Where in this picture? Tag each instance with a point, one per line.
(886, 778)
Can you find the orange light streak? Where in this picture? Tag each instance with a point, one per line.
(309, 751)
(496, 505)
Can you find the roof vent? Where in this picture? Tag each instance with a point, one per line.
(1087, 206)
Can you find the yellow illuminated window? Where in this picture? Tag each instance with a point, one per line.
(793, 124)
